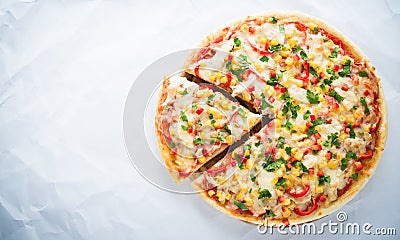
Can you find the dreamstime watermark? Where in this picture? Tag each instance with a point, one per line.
(331, 227)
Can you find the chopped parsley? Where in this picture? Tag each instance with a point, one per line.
(330, 71)
(351, 132)
(198, 141)
(311, 130)
(184, 92)
(210, 99)
(238, 73)
(257, 144)
(336, 95)
(312, 98)
(315, 30)
(364, 103)
(333, 140)
(238, 161)
(288, 150)
(275, 48)
(241, 205)
(281, 28)
(334, 53)
(242, 113)
(264, 194)
(296, 49)
(243, 60)
(273, 20)
(264, 59)
(344, 162)
(269, 213)
(352, 155)
(301, 166)
(264, 103)
(281, 141)
(306, 115)
(323, 179)
(303, 55)
(362, 74)
(184, 128)
(346, 69)
(271, 166)
(287, 125)
(313, 72)
(354, 176)
(281, 183)
(226, 129)
(237, 42)
(252, 177)
(183, 116)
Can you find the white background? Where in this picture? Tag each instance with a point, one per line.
(65, 70)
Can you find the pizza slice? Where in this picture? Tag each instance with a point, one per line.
(195, 123)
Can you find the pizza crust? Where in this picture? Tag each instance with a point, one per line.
(381, 133)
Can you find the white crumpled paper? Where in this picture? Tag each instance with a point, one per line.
(65, 70)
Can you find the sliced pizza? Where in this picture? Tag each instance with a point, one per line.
(194, 124)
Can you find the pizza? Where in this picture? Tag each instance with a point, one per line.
(195, 124)
(326, 114)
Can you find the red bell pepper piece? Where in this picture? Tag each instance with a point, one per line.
(292, 191)
(309, 211)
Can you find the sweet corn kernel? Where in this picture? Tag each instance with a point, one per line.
(202, 134)
(243, 189)
(262, 40)
(296, 171)
(344, 59)
(228, 196)
(294, 150)
(274, 42)
(311, 56)
(288, 35)
(239, 196)
(289, 183)
(358, 113)
(333, 164)
(244, 27)
(343, 136)
(297, 32)
(313, 64)
(279, 172)
(249, 164)
(322, 165)
(233, 82)
(286, 201)
(299, 83)
(274, 181)
(277, 58)
(254, 193)
(202, 159)
(292, 42)
(211, 193)
(327, 54)
(312, 26)
(349, 119)
(329, 65)
(249, 201)
(298, 156)
(289, 61)
(319, 48)
(224, 79)
(319, 189)
(225, 105)
(229, 139)
(219, 194)
(286, 212)
(339, 156)
(284, 53)
(368, 128)
(258, 66)
(246, 97)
